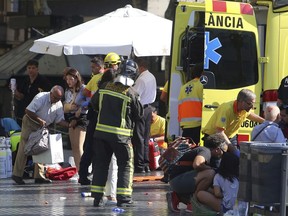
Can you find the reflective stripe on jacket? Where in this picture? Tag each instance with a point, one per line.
(118, 107)
(190, 104)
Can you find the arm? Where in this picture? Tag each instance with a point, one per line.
(164, 93)
(34, 117)
(231, 148)
(158, 138)
(199, 163)
(64, 123)
(95, 101)
(87, 93)
(18, 95)
(164, 96)
(256, 118)
(217, 192)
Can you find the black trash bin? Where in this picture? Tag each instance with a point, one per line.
(245, 184)
(266, 172)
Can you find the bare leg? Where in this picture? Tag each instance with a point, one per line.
(204, 180)
(77, 137)
(209, 200)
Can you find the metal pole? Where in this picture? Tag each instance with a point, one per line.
(284, 176)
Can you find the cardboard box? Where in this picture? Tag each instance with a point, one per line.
(55, 152)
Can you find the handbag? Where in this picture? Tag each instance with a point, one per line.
(174, 152)
(38, 142)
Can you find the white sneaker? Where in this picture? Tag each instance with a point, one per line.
(74, 178)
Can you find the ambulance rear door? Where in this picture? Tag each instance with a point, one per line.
(187, 50)
(231, 57)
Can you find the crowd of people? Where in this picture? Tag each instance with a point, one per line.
(102, 118)
(111, 120)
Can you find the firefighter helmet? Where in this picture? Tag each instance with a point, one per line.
(112, 59)
(127, 72)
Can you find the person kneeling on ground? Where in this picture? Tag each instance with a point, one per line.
(193, 173)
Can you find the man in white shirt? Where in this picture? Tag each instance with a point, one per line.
(146, 87)
(45, 109)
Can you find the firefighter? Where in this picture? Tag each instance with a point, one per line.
(190, 105)
(112, 60)
(118, 107)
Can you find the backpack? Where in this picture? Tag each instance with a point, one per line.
(174, 152)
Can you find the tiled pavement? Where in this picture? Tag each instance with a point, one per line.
(64, 198)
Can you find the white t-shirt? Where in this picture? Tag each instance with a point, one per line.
(146, 87)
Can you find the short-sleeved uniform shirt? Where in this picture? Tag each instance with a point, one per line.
(92, 85)
(157, 127)
(227, 118)
(42, 107)
(190, 156)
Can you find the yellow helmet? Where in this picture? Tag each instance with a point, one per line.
(112, 58)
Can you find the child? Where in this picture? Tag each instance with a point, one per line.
(225, 186)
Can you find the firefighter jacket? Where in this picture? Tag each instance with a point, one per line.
(118, 108)
(190, 104)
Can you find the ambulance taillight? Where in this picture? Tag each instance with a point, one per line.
(269, 98)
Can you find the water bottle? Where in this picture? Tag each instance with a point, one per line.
(13, 84)
(8, 158)
(86, 194)
(118, 210)
(242, 208)
(3, 159)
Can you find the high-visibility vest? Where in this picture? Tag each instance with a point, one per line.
(190, 104)
(15, 139)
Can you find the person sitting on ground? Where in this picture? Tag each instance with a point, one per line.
(225, 186)
(269, 130)
(157, 129)
(193, 172)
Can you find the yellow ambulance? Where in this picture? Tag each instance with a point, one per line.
(242, 45)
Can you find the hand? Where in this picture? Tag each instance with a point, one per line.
(42, 122)
(74, 106)
(78, 113)
(73, 124)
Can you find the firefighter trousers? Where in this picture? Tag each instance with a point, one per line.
(102, 153)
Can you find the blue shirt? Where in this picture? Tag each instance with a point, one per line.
(41, 105)
(270, 133)
(9, 124)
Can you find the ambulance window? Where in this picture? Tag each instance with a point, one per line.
(279, 3)
(238, 65)
(192, 49)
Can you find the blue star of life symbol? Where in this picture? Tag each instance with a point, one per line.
(210, 53)
(188, 89)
